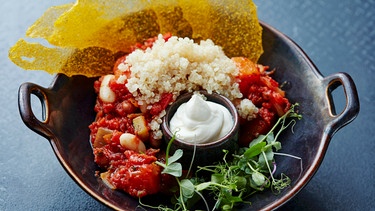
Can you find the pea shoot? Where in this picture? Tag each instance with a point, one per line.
(232, 181)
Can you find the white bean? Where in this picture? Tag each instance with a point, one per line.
(105, 92)
(132, 142)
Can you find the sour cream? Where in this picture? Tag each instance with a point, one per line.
(199, 121)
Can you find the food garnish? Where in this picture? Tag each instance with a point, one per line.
(88, 36)
(231, 181)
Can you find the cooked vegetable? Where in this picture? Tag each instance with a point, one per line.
(264, 92)
(103, 137)
(140, 127)
(106, 94)
(132, 142)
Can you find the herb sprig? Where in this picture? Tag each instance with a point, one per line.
(232, 181)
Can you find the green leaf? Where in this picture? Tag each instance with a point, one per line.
(202, 186)
(217, 178)
(187, 188)
(258, 178)
(177, 155)
(254, 150)
(174, 169)
(241, 163)
(277, 145)
(259, 139)
(229, 198)
(240, 182)
(235, 199)
(270, 138)
(269, 155)
(248, 170)
(226, 207)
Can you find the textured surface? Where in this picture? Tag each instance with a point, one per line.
(337, 35)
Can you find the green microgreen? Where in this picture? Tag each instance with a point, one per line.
(250, 169)
(171, 166)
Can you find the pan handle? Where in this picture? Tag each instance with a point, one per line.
(351, 108)
(24, 104)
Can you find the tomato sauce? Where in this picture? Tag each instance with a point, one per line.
(256, 84)
(137, 174)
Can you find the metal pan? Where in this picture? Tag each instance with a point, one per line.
(68, 110)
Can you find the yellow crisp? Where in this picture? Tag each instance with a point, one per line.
(86, 37)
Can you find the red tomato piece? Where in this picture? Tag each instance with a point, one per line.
(252, 129)
(140, 176)
(156, 108)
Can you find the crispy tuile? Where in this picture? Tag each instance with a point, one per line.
(87, 37)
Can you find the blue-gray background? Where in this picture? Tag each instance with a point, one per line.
(338, 35)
